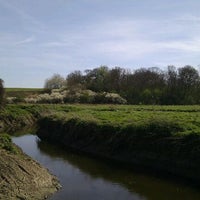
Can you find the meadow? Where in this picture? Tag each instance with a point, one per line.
(21, 93)
(185, 118)
(163, 138)
(174, 119)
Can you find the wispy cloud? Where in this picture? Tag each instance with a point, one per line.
(56, 44)
(25, 41)
(21, 13)
(189, 18)
(185, 46)
(124, 39)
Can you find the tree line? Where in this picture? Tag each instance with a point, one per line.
(1, 92)
(174, 86)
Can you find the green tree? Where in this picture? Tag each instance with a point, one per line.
(188, 83)
(147, 82)
(96, 79)
(171, 91)
(75, 79)
(114, 79)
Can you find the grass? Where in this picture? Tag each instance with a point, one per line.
(160, 137)
(22, 89)
(6, 143)
(21, 93)
(186, 118)
(183, 120)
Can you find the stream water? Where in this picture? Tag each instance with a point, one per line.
(85, 178)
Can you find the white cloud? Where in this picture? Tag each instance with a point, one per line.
(128, 39)
(25, 41)
(56, 44)
(184, 46)
(189, 18)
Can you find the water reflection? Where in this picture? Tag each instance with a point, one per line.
(87, 178)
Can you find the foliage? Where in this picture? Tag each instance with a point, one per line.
(143, 86)
(75, 79)
(6, 143)
(76, 95)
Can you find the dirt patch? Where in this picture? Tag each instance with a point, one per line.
(23, 178)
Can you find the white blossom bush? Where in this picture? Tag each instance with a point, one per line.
(30, 100)
(76, 96)
(44, 98)
(56, 97)
(11, 100)
(114, 98)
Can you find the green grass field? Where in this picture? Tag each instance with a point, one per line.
(22, 92)
(185, 118)
(22, 89)
(181, 119)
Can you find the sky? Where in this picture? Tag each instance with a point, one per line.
(39, 38)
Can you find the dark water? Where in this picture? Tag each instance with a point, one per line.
(84, 178)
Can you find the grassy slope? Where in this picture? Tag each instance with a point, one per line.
(165, 138)
(160, 137)
(182, 119)
(179, 120)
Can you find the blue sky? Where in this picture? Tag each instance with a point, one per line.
(41, 37)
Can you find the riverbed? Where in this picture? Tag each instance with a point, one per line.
(87, 178)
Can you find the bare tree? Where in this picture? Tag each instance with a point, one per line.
(55, 82)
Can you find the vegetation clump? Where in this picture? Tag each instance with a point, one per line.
(60, 96)
(6, 143)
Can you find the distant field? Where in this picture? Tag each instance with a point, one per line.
(22, 92)
(23, 89)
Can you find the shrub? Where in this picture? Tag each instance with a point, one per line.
(11, 100)
(76, 96)
(112, 98)
(6, 143)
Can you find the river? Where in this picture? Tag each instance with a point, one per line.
(86, 178)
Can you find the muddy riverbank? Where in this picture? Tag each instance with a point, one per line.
(21, 177)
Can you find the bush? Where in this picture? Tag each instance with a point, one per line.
(76, 95)
(6, 143)
(111, 98)
(11, 100)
